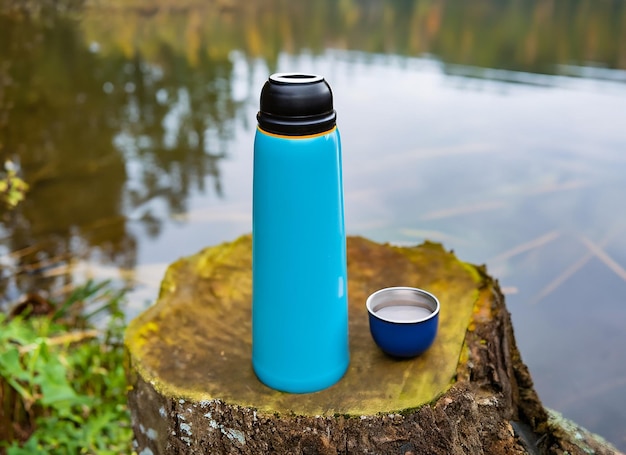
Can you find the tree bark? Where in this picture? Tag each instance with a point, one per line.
(193, 389)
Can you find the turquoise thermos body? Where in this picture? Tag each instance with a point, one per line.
(299, 272)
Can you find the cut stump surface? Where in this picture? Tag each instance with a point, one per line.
(194, 390)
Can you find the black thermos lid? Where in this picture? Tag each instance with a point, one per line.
(294, 104)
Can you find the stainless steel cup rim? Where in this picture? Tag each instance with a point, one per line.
(402, 296)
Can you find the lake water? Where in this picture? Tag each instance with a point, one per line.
(496, 128)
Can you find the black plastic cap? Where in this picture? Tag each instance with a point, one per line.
(294, 104)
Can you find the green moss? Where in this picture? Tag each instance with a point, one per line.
(195, 342)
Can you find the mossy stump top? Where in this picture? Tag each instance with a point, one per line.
(193, 389)
(195, 343)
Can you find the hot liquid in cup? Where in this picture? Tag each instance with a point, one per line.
(402, 312)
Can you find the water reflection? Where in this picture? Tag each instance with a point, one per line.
(58, 126)
(103, 141)
(133, 125)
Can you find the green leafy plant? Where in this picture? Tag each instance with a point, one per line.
(12, 188)
(66, 378)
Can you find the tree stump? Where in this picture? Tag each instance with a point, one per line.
(193, 389)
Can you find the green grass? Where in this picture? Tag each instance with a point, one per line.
(62, 380)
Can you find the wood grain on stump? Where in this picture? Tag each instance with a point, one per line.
(193, 389)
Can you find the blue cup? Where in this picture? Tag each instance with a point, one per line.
(299, 272)
(403, 320)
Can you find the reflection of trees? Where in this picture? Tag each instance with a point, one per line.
(531, 36)
(57, 126)
(177, 126)
(98, 138)
(129, 109)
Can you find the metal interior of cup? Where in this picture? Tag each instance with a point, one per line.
(402, 296)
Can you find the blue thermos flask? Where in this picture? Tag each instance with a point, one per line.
(299, 276)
